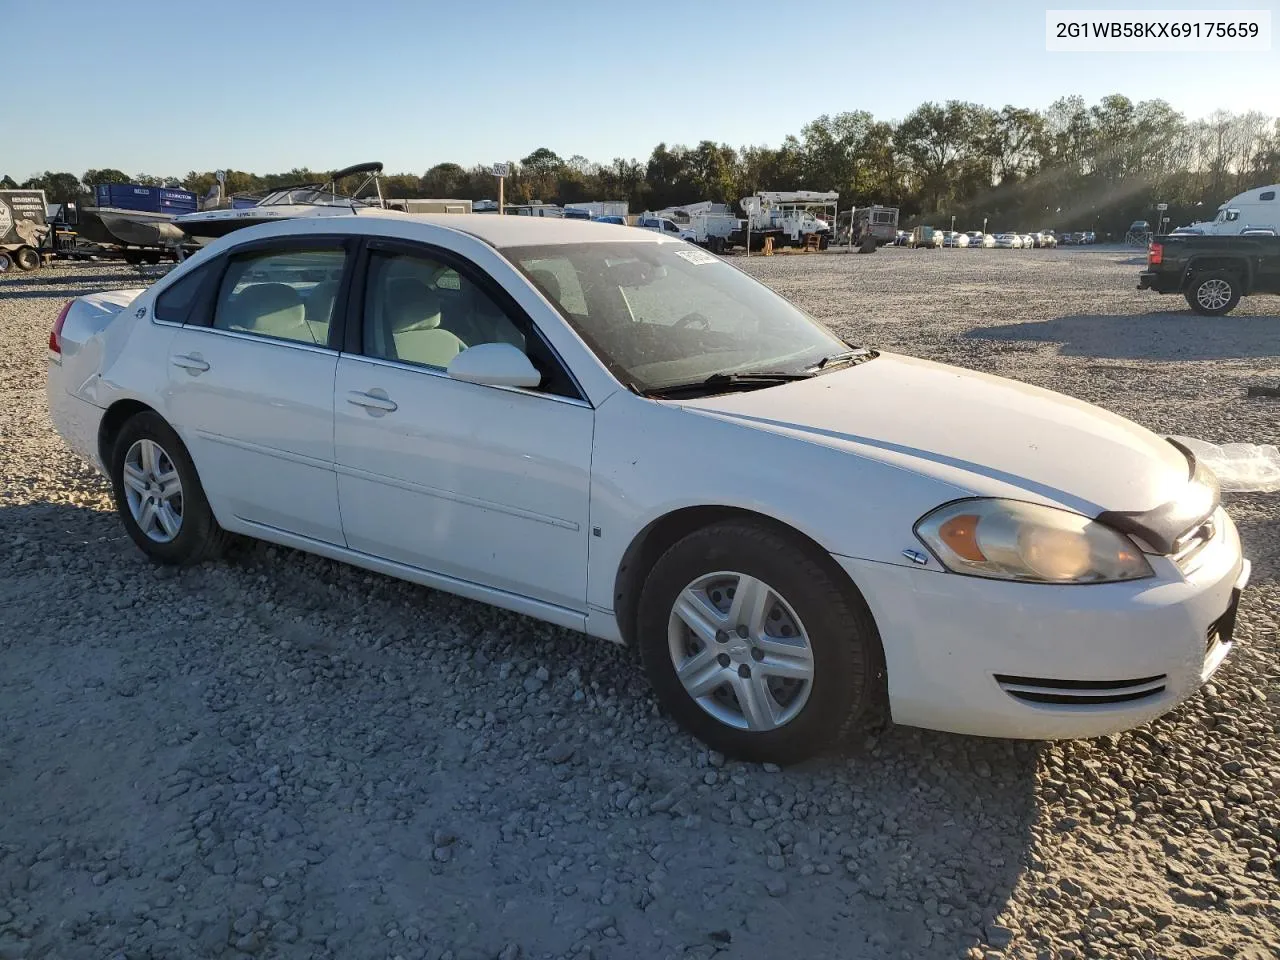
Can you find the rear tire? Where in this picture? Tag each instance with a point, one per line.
(778, 686)
(27, 259)
(1213, 294)
(159, 497)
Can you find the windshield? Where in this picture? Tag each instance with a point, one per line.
(659, 314)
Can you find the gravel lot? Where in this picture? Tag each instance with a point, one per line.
(285, 757)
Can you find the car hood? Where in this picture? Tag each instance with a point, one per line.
(985, 435)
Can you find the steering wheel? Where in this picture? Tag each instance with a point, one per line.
(694, 319)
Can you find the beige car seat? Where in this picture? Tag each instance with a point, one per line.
(412, 312)
(269, 309)
(319, 309)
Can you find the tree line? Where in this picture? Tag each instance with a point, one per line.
(1072, 166)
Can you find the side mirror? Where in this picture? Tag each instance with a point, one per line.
(495, 365)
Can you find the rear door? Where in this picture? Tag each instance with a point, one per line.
(251, 384)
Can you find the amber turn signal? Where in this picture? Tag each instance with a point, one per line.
(960, 533)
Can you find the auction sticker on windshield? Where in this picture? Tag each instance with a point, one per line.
(696, 256)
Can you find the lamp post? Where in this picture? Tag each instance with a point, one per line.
(984, 226)
(953, 223)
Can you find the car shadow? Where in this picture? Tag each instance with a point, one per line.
(902, 843)
(1147, 336)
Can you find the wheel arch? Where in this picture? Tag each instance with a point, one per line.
(115, 417)
(1214, 264)
(661, 533)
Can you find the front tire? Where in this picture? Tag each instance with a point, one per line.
(1213, 294)
(753, 646)
(159, 497)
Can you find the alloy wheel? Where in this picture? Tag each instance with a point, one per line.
(1213, 294)
(153, 490)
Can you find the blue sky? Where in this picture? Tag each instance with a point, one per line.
(258, 86)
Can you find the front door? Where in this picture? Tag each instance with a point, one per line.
(251, 390)
(483, 484)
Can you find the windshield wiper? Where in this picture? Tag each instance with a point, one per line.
(726, 382)
(857, 355)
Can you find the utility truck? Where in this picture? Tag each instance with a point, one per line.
(790, 217)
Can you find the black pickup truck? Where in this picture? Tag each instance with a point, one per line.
(1212, 272)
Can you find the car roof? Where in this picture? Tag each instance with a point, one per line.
(517, 231)
(493, 229)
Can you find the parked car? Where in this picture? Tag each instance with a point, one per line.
(979, 240)
(659, 225)
(926, 237)
(1087, 237)
(1066, 239)
(902, 238)
(1046, 238)
(537, 414)
(611, 218)
(954, 238)
(1028, 240)
(1213, 271)
(1008, 241)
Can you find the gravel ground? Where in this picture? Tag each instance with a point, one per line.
(286, 757)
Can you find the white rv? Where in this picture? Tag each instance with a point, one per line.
(1256, 209)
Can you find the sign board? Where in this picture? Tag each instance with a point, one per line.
(502, 169)
(23, 217)
(1162, 206)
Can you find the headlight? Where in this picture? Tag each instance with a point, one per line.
(1012, 540)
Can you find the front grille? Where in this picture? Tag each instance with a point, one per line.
(1081, 692)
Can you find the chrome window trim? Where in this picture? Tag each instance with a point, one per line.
(442, 374)
(260, 338)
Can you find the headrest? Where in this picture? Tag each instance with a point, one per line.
(277, 303)
(412, 305)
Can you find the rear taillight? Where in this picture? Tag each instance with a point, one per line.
(55, 335)
(1155, 253)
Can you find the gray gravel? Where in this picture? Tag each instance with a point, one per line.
(279, 756)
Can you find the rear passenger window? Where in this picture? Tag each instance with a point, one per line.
(287, 295)
(174, 304)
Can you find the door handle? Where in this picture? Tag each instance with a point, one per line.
(371, 402)
(192, 364)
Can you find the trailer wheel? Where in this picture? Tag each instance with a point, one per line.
(5, 262)
(132, 256)
(151, 256)
(27, 258)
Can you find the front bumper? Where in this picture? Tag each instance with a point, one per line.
(1042, 661)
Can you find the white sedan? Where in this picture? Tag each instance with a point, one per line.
(1009, 241)
(615, 432)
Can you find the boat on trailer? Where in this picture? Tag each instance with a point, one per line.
(320, 199)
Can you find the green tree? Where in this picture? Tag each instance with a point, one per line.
(106, 175)
(57, 187)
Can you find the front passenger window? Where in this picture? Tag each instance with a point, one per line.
(286, 295)
(421, 311)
